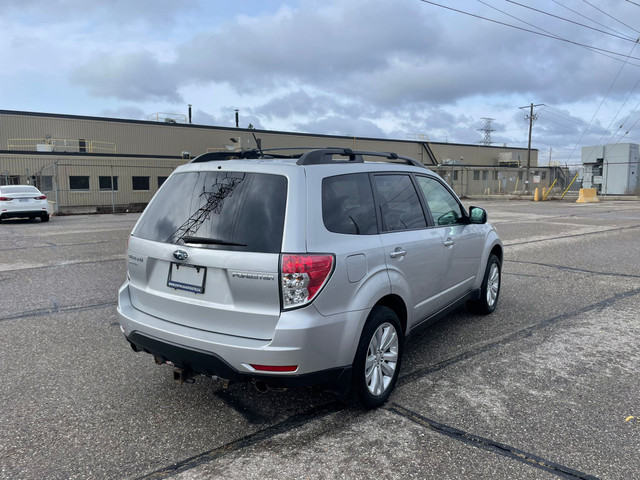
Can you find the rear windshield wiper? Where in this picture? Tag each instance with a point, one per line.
(211, 241)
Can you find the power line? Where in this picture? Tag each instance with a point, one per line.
(584, 16)
(568, 127)
(601, 102)
(618, 113)
(546, 31)
(626, 37)
(552, 36)
(552, 111)
(610, 16)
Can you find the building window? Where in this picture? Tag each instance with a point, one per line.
(140, 183)
(495, 175)
(161, 180)
(79, 182)
(519, 175)
(484, 175)
(106, 183)
(455, 175)
(476, 174)
(543, 175)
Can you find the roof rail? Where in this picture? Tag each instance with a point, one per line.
(316, 156)
(326, 155)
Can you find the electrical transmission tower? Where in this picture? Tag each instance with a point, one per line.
(487, 130)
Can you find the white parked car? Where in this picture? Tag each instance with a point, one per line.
(23, 201)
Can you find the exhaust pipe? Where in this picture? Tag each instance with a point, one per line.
(261, 386)
(182, 375)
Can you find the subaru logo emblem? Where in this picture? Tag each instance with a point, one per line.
(180, 255)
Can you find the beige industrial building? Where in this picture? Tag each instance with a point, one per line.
(105, 164)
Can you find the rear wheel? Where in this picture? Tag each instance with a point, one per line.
(44, 218)
(490, 290)
(378, 358)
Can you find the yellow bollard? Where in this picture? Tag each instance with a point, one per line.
(536, 195)
(544, 193)
(587, 195)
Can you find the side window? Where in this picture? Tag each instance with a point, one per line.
(400, 205)
(347, 205)
(444, 207)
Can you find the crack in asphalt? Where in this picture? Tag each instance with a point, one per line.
(52, 246)
(575, 235)
(514, 336)
(578, 215)
(284, 426)
(56, 308)
(574, 269)
(490, 445)
(18, 268)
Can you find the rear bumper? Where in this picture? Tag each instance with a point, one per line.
(23, 213)
(321, 347)
(206, 363)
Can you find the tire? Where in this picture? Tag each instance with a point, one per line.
(378, 358)
(44, 218)
(490, 289)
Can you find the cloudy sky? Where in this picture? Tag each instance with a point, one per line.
(349, 67)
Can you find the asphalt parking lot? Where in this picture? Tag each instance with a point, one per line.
(545, 387)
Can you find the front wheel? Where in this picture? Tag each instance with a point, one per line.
(378, 358)
(490, 290)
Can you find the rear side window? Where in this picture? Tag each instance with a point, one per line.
(400, 206)
(220, 210)
(347, 205)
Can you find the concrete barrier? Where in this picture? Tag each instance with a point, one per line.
(587, 195)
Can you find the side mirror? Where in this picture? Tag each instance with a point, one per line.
(478, 215)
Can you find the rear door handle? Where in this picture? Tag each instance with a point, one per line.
(398, 252)
(449, 242)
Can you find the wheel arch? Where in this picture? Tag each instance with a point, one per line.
(395, 303)
(497, 251)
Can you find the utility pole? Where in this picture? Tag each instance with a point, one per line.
(531, 117)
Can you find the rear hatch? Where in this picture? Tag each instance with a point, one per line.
(205, 253)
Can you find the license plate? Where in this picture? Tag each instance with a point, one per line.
(24, 200)
(187, 277)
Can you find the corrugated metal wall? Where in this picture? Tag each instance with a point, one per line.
(158, 138)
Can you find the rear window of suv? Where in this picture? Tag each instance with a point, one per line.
(220, 210)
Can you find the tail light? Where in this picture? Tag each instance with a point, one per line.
(275, 368)
(5, 199)
(303, 276)
(41, 197)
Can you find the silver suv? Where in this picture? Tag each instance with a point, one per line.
(308, 269)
